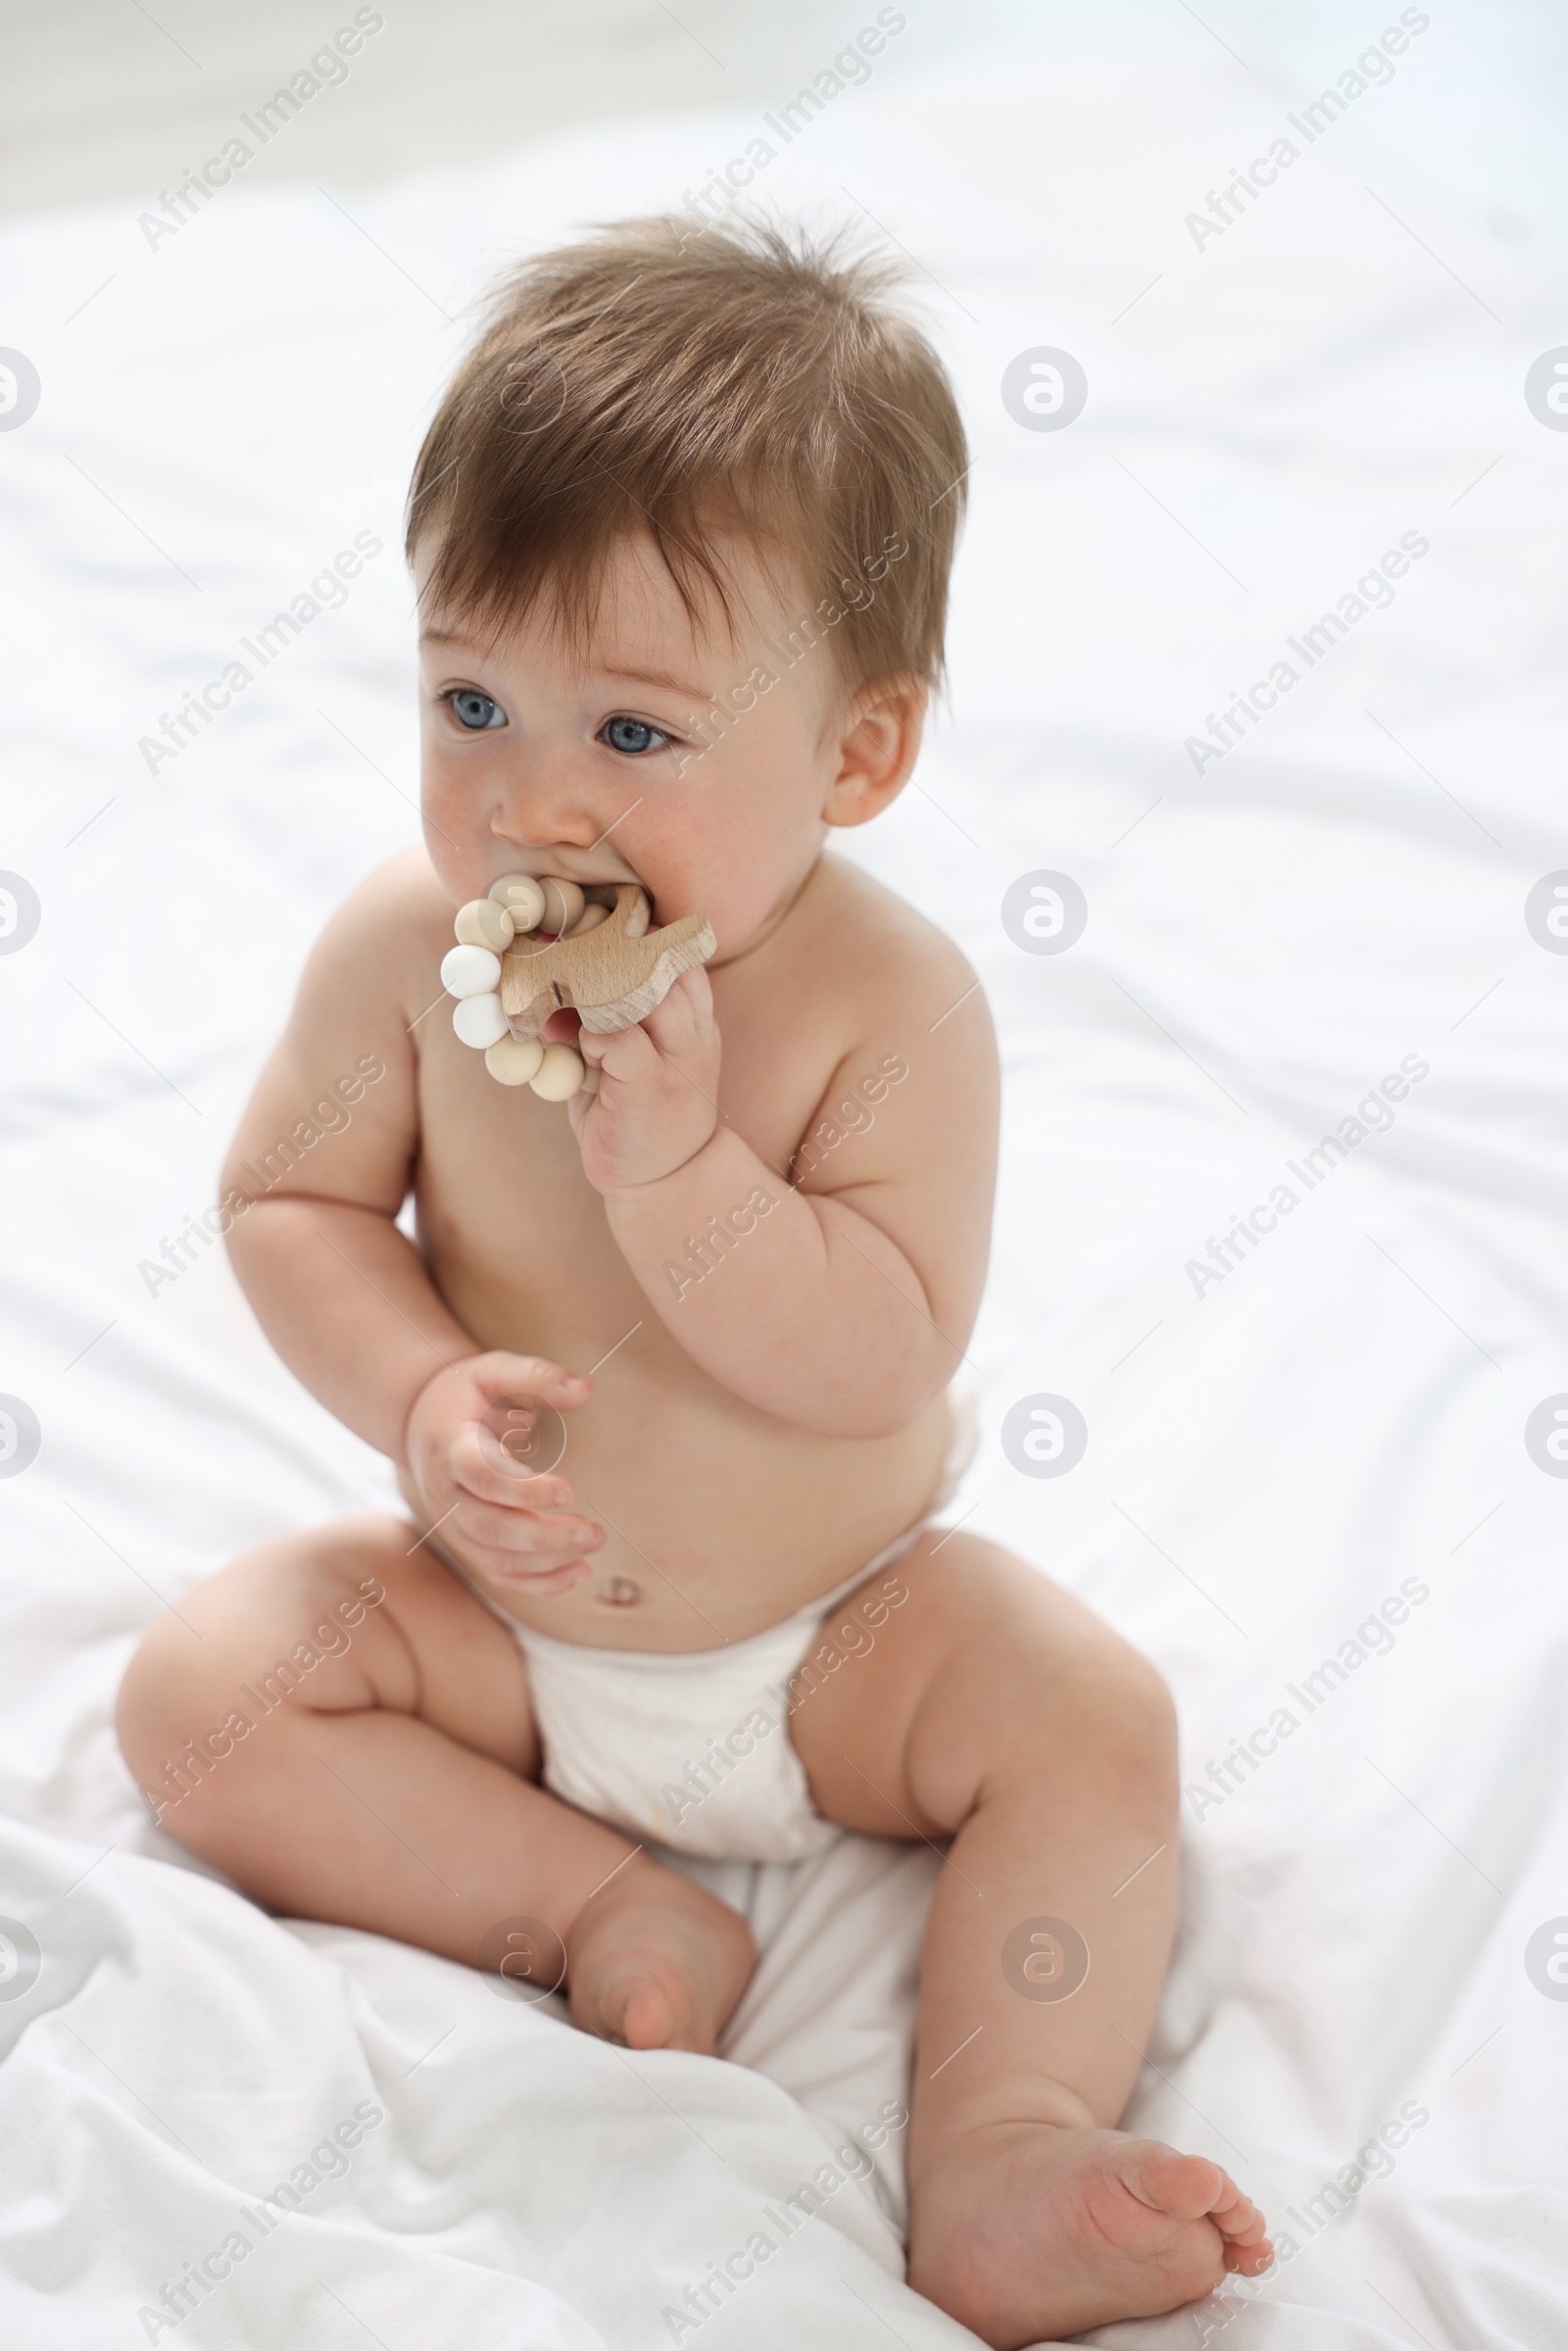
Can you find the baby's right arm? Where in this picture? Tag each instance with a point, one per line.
(341, 1293)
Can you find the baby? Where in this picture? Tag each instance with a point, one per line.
(665, 1373)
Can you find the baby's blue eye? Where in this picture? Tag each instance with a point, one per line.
(475, 710)
(632, 736)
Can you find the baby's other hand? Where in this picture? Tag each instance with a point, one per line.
(658, 1099)
(468, 1446)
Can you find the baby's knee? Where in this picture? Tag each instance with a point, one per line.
(258, 1646)
(1099, 1700)
(173, 1730)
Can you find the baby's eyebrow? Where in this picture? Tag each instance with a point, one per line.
(636, 677)
(662, 677)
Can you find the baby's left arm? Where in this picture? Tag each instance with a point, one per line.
(840, 1292)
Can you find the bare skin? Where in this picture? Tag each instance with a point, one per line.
(737, 1443)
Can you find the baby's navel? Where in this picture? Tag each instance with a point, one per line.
(620, 1592)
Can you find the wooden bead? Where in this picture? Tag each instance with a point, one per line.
(470, 971)
(588, 921)
(514, 1059)
(563, 904)
(559, 1073)
(482, 922)
(522, 897)
(479, 1021)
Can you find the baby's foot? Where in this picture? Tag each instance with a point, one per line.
(657, 1963)
(1024, 2230)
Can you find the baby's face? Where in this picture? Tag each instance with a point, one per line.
(610, 767)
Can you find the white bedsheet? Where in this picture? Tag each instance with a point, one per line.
(1339, 1417)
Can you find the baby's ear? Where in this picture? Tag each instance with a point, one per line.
(877, 748)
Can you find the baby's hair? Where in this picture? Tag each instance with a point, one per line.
(689, 383)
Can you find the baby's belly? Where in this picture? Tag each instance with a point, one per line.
(718, 1520)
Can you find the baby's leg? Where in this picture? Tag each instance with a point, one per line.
(390, 1786)
(995, 1709)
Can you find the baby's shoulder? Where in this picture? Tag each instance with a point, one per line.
(402, 894)
(877, 948)
(393, 927)
(893, 1002)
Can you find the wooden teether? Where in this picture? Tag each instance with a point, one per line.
(605, 962)
(612, 975)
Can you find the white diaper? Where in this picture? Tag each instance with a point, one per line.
(694, 1750)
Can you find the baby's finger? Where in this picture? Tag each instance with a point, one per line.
(625, 1054)
(483, 1465)
(519, 1534)
(532, 1380)
(504, 1490)
(552, 1575)
(503, 1577)
(683, 1020)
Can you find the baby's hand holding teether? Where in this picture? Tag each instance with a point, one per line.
(477, 1451)
(657, 1104)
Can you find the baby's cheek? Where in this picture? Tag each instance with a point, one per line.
(455, 834)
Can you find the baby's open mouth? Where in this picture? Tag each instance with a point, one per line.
(598, 889)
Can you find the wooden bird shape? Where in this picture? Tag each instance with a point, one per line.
(612, 975)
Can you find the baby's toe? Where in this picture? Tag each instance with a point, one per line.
(1249, 2261)
(1238, 2217)
(648, 2019)
(1185, 2186)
